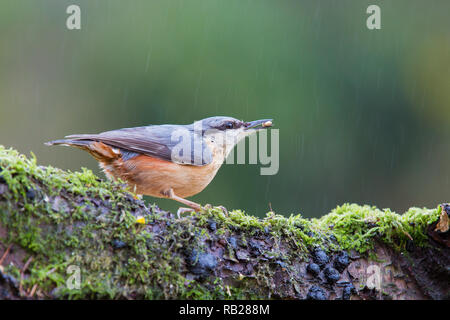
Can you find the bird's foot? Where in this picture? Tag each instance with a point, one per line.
(184, 210)
(222, 208)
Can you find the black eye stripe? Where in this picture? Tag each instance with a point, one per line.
(230, 124)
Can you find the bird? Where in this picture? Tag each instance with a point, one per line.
(168, 160)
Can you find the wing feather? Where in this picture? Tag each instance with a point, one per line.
(155, 141)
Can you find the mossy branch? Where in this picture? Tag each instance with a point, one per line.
(72, 235)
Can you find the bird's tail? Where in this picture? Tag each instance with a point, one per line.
(69, 142)
(98, 150)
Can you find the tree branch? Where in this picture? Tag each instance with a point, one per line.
(72, 235)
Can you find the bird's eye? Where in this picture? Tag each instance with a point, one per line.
(229, 125)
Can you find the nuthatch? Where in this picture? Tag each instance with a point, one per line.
(149, 160)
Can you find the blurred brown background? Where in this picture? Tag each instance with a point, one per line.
(364, 116)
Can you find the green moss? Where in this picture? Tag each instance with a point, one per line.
(301, 231)
(356, 227)
(152, 264)
(54, 192)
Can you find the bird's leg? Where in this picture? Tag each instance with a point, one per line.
(171, 195)
(193, 206)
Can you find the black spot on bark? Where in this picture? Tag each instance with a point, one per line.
(347, 291)
(341, 261)
(320, 257)
(212, 225)
(331, 274)
(232, 242)
(316, 293)
(201, 263)
(313, 269)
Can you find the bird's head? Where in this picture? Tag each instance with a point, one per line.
(226, 132)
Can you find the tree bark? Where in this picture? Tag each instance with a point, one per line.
(73, 235)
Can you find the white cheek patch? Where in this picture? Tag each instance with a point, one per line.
(223, 142)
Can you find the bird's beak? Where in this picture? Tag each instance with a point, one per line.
(258, 124)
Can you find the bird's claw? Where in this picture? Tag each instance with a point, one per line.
(222, 208)
(184, 210)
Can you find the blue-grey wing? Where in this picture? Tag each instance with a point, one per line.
(167, 142)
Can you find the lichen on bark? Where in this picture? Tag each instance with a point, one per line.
(53, 220)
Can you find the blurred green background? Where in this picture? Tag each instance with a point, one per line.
(364, 116)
